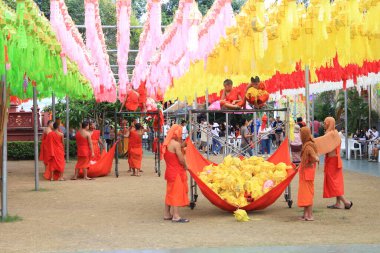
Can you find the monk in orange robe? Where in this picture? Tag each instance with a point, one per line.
(56, 155)
(135, 151)
(175, 175)
(131, 101)
(309, 158)
(85, 151)
(333, 185)
(96, 141)
(230, 98)
(43, 152)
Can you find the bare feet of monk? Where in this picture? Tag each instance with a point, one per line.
(74, 178)
(88, 178)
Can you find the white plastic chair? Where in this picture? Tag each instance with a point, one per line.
(342, 146)
(351, 147)
(238, 142)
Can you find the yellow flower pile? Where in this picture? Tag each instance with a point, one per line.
(242, 181)
(241, 215)
(253, 93)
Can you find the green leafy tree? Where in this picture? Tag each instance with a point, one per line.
(324, 105)
(357, 110)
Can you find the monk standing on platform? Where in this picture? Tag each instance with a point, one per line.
(43, 152)
(56, 154)
(230, 98)
(85, 151)
(175, 175)
(135, 151)
(96, 141)
(333, 182)
(309, 158)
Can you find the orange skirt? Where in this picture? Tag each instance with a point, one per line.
(306, 186)
(134, 158)
(333, 185)
(51, 169)
(176, 193)
(83, 162)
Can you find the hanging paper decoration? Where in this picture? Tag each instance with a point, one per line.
(123, 10)
(96, 43)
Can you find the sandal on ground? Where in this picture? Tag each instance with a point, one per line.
(333, 207)
(181, 220)
(348, 207)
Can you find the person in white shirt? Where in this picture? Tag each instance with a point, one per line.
(204, 130)
(185, 132)
(216, 146)
(264, 132)
(166, 128)
(373, 134)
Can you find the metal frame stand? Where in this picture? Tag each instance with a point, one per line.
(194, 112)
(4, 169)
(35, 126)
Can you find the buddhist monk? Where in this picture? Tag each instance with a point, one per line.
(309, 158)
(131, 101)
(230, 98)
(135, 151)
(43, 153)
(96, 141)
(85, 151)
(175, 175)
(56, 154)
(333, 181)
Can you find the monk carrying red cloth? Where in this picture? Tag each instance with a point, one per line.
(309, 158)
(96, 142)
(56, 155)
(85, 151)
(135, 151)
(175, 175)
(230, 98)
(43, 152)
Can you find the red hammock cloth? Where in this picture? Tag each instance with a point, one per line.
(103, 166)
(196, 162)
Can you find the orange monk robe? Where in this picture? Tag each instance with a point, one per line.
(175, 174)
(43, 153)
(95, 136)
(132, 101)
(83, 152)
(306, 186)
(231, 97)
(142, 95)
(333, 185)
(123, 146)
(56, 156)
(135, 151)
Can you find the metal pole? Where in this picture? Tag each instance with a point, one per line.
(227, 143)
(207, 119)
(117, 147)
(53, 105)
(35, 125)
(307, 91)
(369, 106)
(295, 107)
(4, 170)
(67, 128)
(346, 123)
(186, 109)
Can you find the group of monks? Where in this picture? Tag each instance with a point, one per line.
(231, 98)
(52, 151)
(333, 186)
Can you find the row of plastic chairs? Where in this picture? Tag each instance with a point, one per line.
(353, 146)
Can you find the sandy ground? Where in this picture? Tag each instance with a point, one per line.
(126, 213)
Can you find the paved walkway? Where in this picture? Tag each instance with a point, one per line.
(362, 166)
(355, 248)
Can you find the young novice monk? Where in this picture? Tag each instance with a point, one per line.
(175, 175)
(309, 158)
(230, 98)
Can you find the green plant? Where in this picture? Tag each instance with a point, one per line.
(10, 218)
(24, 150)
